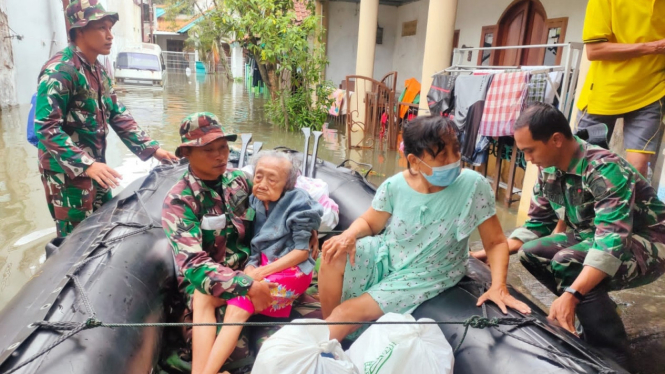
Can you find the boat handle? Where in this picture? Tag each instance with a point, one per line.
(359, 164)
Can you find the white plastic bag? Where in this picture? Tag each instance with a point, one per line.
(318, 190)
(296, 349)
(396, 349)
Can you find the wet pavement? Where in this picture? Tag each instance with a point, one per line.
(27, 226)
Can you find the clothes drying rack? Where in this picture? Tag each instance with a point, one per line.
(570, 67)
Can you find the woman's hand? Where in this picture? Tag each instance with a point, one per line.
(340, 245)
(500, 296)
(254, 273)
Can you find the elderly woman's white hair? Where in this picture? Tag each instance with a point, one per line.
(292, 175)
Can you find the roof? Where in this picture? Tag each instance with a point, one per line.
(180, 25)
(301, 10)
(188, 26)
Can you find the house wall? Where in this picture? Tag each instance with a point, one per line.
(161, 40)
(408, 51)
(472, 15)
(43, 35)
(343, 40)
(7, 74)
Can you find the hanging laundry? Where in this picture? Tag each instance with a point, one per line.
(440, 95)
(411, 90)
(550, 92)
(470, 95)
(337, 96)
(537, 88)
(504, 103)
(552, 85)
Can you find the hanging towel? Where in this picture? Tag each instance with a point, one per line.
(470, 94)
(440, 95)
(550, 92)
(504, 103)
(337, 96)
(537, 89)
(411, 90)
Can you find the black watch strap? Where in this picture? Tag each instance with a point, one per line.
(575, 293)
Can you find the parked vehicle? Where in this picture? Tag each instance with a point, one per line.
(140, 65)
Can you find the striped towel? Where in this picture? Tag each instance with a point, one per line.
(505, 100)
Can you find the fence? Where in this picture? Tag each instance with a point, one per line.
(179, 60)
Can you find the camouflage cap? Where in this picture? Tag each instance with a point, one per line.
(201, 128)
(80, 12)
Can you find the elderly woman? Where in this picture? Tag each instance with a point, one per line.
(285, 217)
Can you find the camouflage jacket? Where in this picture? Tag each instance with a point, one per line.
(210, 237)
(602, 198)
(75, 105)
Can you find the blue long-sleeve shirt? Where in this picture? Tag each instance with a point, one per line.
(285, 226)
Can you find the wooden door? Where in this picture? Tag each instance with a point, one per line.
(512, 30)
(523, 23)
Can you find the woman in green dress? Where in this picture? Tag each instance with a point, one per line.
(428, 212)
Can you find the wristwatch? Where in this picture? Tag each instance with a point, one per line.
(575, 293)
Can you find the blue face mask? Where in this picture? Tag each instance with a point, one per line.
(443, 176)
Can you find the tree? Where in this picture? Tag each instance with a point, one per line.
(288, 52)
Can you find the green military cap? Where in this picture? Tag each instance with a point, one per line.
(201, 128)
(80, 12)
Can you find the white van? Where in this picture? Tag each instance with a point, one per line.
(140, 65)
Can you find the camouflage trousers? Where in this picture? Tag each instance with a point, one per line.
(558, 259)
(71, 200)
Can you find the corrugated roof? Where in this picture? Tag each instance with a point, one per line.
(160, 12)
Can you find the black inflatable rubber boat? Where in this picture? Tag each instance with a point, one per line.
(118, 267)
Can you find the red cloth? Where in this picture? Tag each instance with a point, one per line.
(505, 101)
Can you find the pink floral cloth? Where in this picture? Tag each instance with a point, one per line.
(291, 283)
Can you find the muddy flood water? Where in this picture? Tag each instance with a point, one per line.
(26, 225)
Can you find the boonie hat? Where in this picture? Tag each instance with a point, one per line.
(80, 12)
(201, 128)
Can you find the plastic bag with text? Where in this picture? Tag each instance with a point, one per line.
(396, 349)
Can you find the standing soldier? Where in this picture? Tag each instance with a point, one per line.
(75, 106)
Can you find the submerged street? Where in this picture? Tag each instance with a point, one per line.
(27, 225)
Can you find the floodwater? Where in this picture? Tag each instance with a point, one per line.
(26, 225)
(24, 218)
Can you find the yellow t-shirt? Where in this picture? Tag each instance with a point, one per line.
(617, 87)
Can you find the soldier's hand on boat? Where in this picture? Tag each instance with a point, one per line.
(338, 246)
(259, 293)
(103, 174)
(500, 296)
(562, 311)
(165, 156)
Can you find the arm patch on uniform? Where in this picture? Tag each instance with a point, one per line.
(598, 187)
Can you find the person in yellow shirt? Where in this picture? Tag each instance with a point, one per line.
(625, 41)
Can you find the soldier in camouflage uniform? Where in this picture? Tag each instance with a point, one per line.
(75, 106)
(616, 227)
(207, 218)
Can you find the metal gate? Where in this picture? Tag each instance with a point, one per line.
(179, 60)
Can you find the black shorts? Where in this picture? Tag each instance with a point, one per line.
(641, 129)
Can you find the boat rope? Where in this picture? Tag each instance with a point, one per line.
(476, 322)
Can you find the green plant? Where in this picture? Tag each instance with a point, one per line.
(289, 54)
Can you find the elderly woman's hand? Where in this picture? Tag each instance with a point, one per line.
(340, 245)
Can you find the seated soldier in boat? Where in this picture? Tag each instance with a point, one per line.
(208, 220)
(285, 217)
(428, 212)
